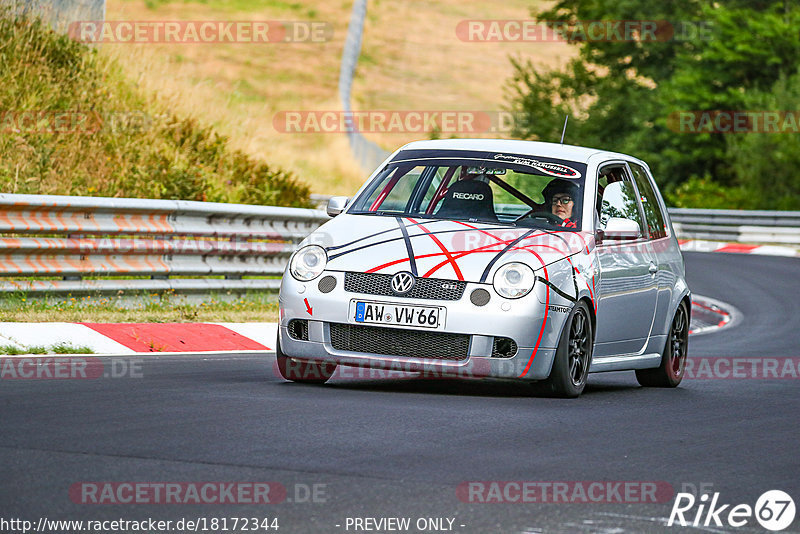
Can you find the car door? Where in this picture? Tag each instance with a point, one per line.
(628, 292)
(665, 251)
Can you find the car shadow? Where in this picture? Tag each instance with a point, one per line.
(471, 387)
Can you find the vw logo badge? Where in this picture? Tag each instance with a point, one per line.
(402, 283)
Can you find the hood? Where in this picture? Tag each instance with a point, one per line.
(434, 248)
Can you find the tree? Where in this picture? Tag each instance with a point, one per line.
(623, 95)
(747, 51)
(767, 165)
(609, 87)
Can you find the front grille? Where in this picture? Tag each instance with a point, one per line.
(396, 342)
(424, 288)
(298, 329)
(504, 347)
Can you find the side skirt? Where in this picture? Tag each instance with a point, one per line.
(625, 363)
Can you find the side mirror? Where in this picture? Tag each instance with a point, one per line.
(336, 205)
(618, 228)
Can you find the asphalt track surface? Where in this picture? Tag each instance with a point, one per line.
(400, 448)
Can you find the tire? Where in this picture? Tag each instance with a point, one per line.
(573, 356)
(300, 371)
(673, 360)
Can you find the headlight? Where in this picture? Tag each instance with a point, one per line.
(308, 263)
(514, 280)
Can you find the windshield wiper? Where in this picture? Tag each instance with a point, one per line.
(380, 213)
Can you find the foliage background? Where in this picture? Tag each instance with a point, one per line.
(727, 55)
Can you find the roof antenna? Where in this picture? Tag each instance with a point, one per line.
(564, 131)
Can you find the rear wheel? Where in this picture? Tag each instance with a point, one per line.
(573, 356)
(302, 371)
(673, 360)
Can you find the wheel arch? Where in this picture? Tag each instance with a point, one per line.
(687, 298)
(592, 314)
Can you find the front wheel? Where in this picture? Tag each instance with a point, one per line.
(673, 360)
(573, 356)
(301, 371)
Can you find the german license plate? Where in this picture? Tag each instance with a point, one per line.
(400, 315)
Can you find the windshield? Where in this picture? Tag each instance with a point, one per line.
(509, 189)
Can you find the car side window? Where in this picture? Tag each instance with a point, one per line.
(652, 209)
(616, 196)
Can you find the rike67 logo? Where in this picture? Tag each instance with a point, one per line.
(774, 510)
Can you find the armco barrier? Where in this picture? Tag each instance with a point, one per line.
(757, 227)
(368, 153)
(61, 244)
(59, 13)
(208, 246)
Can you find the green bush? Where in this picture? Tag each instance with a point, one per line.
(706, 193)
(623, 94)
(768, 164)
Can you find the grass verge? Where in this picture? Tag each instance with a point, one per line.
(57, 348)
(71, 123)
(164, 307)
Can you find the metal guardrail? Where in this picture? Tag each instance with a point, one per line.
(62, 244)
(367, 152)
(209, 246)
(59, 13)
(757, 227)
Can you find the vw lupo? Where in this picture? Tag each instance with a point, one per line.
(497, 258)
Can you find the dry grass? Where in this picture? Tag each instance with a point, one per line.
(411, 60)
(417, 61)
(120, 143)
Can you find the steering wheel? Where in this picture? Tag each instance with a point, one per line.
(551, 218)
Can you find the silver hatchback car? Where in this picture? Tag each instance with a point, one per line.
(496, 258)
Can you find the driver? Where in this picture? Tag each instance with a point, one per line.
(561, 197)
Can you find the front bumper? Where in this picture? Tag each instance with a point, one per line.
(520, 320)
